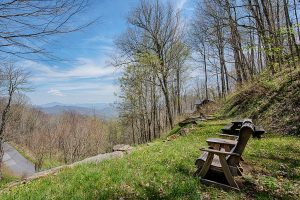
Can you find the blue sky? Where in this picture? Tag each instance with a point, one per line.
(86, 75)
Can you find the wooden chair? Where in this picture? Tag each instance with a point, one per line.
(234, 127)
(217, 163)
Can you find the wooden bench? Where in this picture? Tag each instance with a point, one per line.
(214, 163)
(258, 131)
(228, 137)
(228, 129)
(218, 143)
(234, 127)
(227, 142)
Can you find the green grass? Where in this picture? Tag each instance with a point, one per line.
(51, 162)
(164, 170)
(175, 130)
(7, 178)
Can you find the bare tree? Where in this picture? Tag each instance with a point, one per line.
(25, 26)
(12, 81)
(155, 30)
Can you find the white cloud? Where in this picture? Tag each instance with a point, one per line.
(100, 38)
(85, 86)
(77, 93)
(88, 68)
(86, 80)
(84, 68)
(55, 92)
(180, 4)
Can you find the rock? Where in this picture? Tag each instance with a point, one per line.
(184, 131)
(193, 120)
(171, 138)
(100, 157)
(283, 166)
(122, 147)
(193, 127)
(282, 173)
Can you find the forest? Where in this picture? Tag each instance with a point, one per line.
(231, 42)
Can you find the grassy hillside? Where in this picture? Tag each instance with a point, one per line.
(163, 170)
(275, 103)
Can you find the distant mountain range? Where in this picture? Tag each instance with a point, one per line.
(103, 110)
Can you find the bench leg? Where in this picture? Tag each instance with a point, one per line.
(227, 172)
(197, 172)
(206, 165)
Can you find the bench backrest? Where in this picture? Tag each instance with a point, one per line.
(247, 120)
(246, 131)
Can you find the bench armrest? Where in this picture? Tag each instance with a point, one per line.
(227, 136)
(219, 152)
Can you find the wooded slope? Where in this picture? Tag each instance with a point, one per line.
(273, 103)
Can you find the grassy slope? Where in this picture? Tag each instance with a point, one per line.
(7, 177)
(275, 103)
(163, 170)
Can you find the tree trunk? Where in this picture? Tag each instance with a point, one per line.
(178, 90)
(297, 21)
(234, 45)
(205, 71)
(2, 127)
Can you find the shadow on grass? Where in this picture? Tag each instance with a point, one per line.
(252, 192)
(291, 163)
(289, 148)
(154, 193)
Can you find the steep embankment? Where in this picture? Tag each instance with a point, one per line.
(272, 102)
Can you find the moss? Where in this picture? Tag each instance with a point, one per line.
(174, 131)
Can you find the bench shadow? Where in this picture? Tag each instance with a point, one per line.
(252, 192)
(291, 163)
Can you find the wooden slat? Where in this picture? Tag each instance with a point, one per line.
(215, 161)
(223, 186)
(229, 137)
(221, 141)
(217, 152)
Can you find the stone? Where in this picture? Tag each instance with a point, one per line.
(184, 131)
(122, 147)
